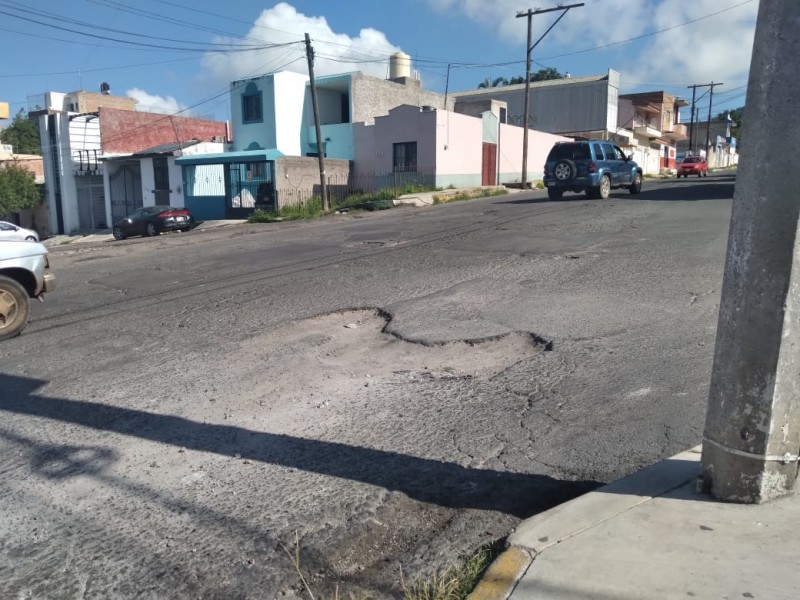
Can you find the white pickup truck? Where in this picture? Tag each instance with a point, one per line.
(24, 274)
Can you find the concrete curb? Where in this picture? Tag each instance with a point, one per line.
(502, 575)
(536, 534)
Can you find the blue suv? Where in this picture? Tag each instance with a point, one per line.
(593, 167)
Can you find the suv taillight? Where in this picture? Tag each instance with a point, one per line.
(592, 167)
(545, 170)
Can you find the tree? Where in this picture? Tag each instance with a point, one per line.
(546, 74)
(540, 75)
(22, 134)
(18, 189)
(490, 83)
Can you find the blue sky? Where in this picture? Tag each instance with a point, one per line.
(177, 54)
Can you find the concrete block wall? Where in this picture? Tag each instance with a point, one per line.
(373, 97)
(126, 131)
(297, 177)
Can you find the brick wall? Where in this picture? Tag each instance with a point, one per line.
(127, 131)
(30, 162)
(91, 102)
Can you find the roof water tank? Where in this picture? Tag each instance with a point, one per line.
(399, 65)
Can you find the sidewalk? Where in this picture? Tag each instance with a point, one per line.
(651, 535)
(105, 236)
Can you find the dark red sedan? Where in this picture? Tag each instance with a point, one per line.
(152, 220)
(693, 165)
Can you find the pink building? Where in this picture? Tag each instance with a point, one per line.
(447, 148)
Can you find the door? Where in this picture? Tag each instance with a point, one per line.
(126, 190)
(613, 163)
(624, 174)
(489, 164)
(161, 179)
(91, 203)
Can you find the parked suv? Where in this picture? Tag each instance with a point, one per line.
(593, 167)
(24, 274)
(693, 165)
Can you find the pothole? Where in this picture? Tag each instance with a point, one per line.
(354, 342)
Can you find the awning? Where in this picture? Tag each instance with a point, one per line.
(243, 156)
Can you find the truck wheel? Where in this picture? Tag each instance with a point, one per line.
(15, 308)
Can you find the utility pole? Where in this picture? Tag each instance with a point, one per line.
(708, 123)
(529, 48)
(691, 122)
(694, 87)
(320, 148)
(752, 431)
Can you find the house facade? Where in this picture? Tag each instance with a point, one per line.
(653, 119)
(444, 148)
(88, 191)
(274, 111)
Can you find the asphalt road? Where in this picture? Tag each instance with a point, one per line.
(395, 389)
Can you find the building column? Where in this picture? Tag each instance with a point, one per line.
(752, 432)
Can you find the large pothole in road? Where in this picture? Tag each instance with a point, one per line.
(355, 343)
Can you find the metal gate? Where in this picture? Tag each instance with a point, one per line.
(91, 203)
(126, 190)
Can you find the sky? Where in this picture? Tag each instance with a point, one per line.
(180, 55)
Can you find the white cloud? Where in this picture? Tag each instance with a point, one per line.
(283, 24)
(156, 104)
(717, 48)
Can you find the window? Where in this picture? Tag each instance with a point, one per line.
(251, 104)
(405, 157)
(255, 171)
(598, 152)
(608, 150)
(618, 153)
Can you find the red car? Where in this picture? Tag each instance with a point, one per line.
(693, 165)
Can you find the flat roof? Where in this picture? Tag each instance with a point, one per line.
(230, 157)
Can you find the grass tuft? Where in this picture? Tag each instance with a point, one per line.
(455, 582)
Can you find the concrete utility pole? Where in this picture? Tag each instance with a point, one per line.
(712, 85)
(752, 432)
(691, 122)
(320, 148)
(530, 13)
(694, 87)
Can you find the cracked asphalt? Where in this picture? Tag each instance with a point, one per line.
(395, 389)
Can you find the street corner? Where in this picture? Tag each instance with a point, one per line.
(502, 575)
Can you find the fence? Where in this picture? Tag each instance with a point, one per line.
(342, 187)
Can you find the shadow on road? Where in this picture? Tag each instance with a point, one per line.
(543, 199)
(717, 187)
(442, 483)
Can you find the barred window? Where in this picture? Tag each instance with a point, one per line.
(405, 157)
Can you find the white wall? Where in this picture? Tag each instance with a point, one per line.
(149, 182)
(290, 93)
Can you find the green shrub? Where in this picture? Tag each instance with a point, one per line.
(293, 212)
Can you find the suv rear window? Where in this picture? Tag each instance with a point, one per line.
(569, 151)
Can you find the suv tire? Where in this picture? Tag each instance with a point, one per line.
(603, 190)
(554, 194)
(565, 171)
(636, 185)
